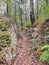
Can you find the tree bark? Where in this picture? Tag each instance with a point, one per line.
(32, 17)
(46, 1)
(37, 8)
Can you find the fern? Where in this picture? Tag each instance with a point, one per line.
(45, 47)
(45, 53)
(45, 56)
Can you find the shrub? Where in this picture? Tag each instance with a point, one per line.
(44, 11)
(45, 54)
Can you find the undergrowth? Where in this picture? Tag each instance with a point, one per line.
(45, 54)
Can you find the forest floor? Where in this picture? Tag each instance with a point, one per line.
(26, 53)
(29, 39)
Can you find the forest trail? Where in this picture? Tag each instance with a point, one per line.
(26, 57)
(24, 32)
(24, 51)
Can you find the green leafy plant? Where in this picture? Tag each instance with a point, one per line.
(45, 54)
(44, 12)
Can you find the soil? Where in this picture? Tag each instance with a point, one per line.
(26, 53)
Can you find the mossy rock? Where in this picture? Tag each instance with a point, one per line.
(4, 35)
(8, 42)
(4, 25)
(4, 39)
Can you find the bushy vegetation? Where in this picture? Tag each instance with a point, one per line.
(4, 25)
(5, 40)
(44, 12)
(45, 53)
(5, 37)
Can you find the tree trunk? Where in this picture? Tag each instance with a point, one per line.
(21, 18)
(20, 1)
(15, 12)
(46, 1)
(32, 17)
(37, 8)
(9, 8)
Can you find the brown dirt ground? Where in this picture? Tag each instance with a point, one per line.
(23, 57)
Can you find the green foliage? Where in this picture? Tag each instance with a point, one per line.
(39, 48)
(4, 35)
(47, 28)
(45, 56)
(45, 7)
(44, 12)
(45, 47)
(45, 53)
(25, 23)
(4, 25)
(4, 40)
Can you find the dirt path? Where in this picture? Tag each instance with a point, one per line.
(23, 50)
(23, 58)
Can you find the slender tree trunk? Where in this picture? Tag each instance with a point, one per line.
(21, 18)
(15, 6)
(20, 14)
(32, 17)
(25, 14)
(46, 1)
(7, 8)
(37, 8)
(15, 12)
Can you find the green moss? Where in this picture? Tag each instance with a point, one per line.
(4, 25)
(0, 54)
(4, 35)
(8, 42)
(5, 39)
